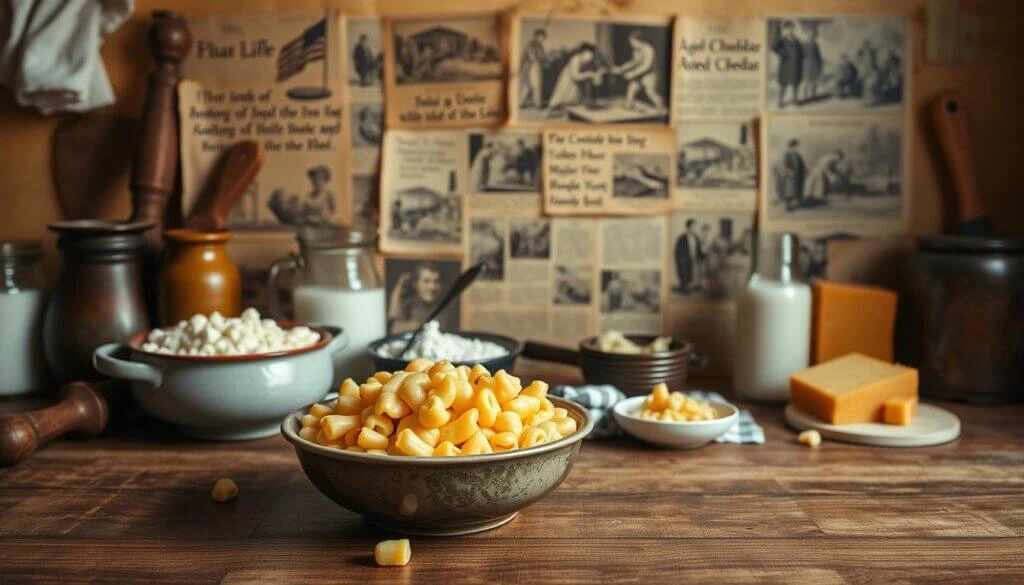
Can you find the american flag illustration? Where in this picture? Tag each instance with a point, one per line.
(308, 47)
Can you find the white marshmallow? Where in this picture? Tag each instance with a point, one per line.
(218, 321)
(218, 335)
(197, 323)
(211, 334)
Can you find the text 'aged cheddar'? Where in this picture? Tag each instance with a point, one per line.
(899, 411)
(851, 318)
(851, 389)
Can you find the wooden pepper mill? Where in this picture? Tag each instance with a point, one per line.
(155, 169)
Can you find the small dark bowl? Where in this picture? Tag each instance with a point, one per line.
(504, 362)
(636, 374)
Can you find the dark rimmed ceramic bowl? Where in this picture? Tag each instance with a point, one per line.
(227, 398)
(634, 374)
(504, 362)
(439, 496)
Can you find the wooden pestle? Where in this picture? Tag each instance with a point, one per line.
(82, 408)
(155, 169)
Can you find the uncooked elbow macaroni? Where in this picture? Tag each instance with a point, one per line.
(675, 407)
(437, 410)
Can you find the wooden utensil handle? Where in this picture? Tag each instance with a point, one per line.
(950, 120)
(82, 409)
(235, 171)
(550, 353)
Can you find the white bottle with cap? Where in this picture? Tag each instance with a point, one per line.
(773, 322)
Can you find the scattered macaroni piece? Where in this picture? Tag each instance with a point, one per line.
(392, 553)
(437, 410)
(810, 438)
(224, 490)
(673, 407)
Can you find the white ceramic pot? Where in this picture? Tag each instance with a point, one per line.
(227, 398)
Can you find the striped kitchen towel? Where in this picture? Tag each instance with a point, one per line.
(600, 398)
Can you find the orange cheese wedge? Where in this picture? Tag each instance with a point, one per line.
(849, 318)
(899, 411)
(851, 389)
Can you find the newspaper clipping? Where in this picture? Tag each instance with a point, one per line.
(590, 70)
(711, 254)
(719, 68)
(835, 145)
(504, 167)
(422, 187)
(561, 279)
(531, 262)
(716, 166)
(631, 279)
(274, 79)
(607, 171)
(843, 173)
(414, 287)
(446, 72)
(836, 64)
(364, 71)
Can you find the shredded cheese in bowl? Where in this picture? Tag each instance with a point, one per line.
(434, 344)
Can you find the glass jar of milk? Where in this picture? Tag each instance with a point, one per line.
(23, 299)
(773, 321)
(336, 283)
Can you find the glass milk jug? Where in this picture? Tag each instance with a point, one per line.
(336, 283)
(23, 298)
(773, 321)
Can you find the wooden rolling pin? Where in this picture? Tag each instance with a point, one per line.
(82, 409)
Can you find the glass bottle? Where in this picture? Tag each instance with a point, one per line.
(773, 321)
(336, 283)
(23, 298)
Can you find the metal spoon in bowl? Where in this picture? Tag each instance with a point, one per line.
(463, 281)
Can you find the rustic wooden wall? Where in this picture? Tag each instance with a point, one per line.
(989, 85)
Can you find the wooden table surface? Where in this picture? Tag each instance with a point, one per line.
(135, 507)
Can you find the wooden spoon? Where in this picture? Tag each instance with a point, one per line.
(950, 120)
(229, 180)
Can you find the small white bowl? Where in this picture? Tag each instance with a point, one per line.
(675, 434)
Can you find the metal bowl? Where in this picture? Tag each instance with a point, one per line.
(439, 496)
(504, 362)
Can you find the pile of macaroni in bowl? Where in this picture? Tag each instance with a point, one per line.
(437, 409)
(675, 407)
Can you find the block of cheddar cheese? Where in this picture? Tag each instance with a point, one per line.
(849, 318)
(899, 410)
(851, 389)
